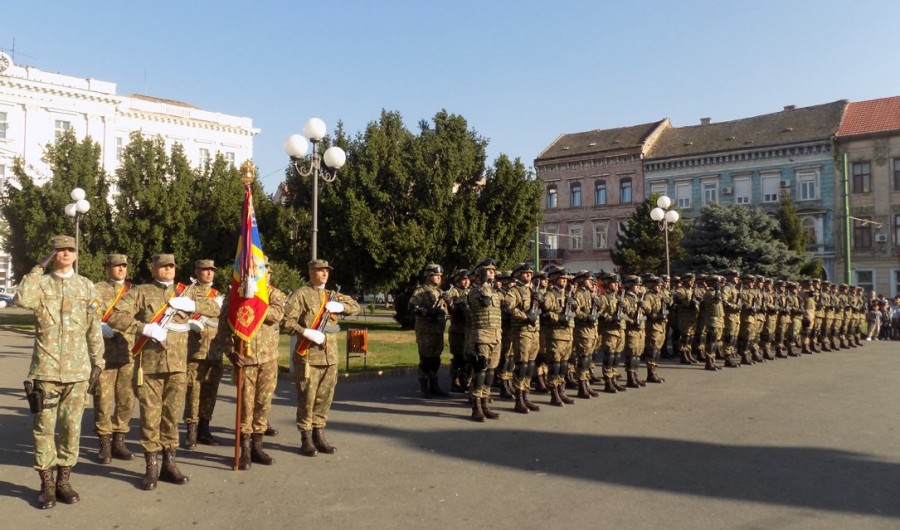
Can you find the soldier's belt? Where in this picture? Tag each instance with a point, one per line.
(331, 329)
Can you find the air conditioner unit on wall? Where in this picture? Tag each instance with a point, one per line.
(881, 238)
(726, 191)
(785, 184)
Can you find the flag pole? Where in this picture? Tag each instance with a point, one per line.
(247, 176)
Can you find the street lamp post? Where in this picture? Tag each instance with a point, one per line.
(666, 219)
(325, 165)
(75, 209)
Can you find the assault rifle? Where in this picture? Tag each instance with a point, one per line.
(639, 317)
(534, 311)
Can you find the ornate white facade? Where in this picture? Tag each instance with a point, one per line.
(35, 105)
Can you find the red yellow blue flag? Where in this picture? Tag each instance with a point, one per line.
(248, 298)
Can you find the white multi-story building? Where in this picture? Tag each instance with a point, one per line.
(35, 105)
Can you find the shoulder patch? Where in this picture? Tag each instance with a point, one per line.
(95, 305)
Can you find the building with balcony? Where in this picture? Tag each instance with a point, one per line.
(36, 105)
(869, 140)
(591, 183)
(752, 161)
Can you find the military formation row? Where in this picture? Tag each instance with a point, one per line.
(163, 343)
(524, 331)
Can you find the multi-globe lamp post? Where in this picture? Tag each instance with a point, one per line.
(75, 209)
(666, 218)
(325, 165)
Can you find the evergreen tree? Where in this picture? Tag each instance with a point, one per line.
(737, 237)
(795, 237)
(641, 247)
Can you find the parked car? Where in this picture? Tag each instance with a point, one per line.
(6, 300)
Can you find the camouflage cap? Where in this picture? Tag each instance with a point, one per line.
(59, 242)
(319, 264)
(205, 264)
(116, 259)
(163, 259)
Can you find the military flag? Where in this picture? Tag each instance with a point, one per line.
(248, 298)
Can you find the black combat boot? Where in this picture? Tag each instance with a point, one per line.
(170, 471)
(561, 389)
(488, 413)
(632, 380)
(151, 475)
(531, 406)
(118, 447)
(270, 431)
(244, 461)
(583, 390)
(104, 456)
(520, 407)
(477, 412)
(435, 389)
(190, 436)
(609, 382)
(64, 490)
(204, 435)
(47, 496)
(307, 448)
(554, 396)
(710, 364)
(729, 362)
(652, 376)
(257, 454)
(541, 386)
(318, 437)
(424, 389)
(591, 392)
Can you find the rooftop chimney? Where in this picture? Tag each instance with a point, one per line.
(704, 121)
(790, 107)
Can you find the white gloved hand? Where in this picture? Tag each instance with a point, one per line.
(334, 307)
(195, 325)
(183, 303)
(106, 330)
(155, 332)
(219, 300)
(316, 336)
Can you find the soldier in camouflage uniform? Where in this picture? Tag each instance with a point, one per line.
(157, 313)
(655, 332)
(523, 302)
(731, 303)
(611, 327)
(749, 302)
(783, 319)
(807, 297)
(204, 369)
(688, 308)
(68, 351)
(311, 313)
(484, 338)
(794, 332)
(506, 366)
(457, 333)
(558, 319)
(114, 398)
(430, 306)
(635, 309)
(584, 335)
(259, 371)
(541, 364)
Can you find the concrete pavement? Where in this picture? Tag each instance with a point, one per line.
(797, 443)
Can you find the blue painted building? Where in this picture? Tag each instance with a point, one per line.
(752, 161)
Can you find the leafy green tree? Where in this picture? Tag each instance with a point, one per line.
(738, 237)
(641, 247)
(796, 238)
(34, 213)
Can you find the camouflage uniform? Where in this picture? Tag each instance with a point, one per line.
(316, 367)
(584, 335)
(749, 301)
(808, 307)
(559, 321)
(523, 303)
(655, 332)
(456, 335)
(783, 319)
(204, 370)
(67, 344)
(712, 323)
(611, 327)
(429, 305)
(114, 396)
(635, 311)
(688, 304)
(484, 339)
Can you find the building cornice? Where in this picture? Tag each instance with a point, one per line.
(787, 153)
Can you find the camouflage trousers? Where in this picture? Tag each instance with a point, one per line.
(431, 345)
(257, 387)
(558, 353)
(202, 389)
(315, 391)
(489, 356)
(161, 398)
(63, 406)
(583, 347)
(525, 345)
(114, 399)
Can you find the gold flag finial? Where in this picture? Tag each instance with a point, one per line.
(248, 172)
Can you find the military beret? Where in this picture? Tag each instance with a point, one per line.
(319, 264)
(163, 259)
(204, 264)
(116, 259)
(59, 242)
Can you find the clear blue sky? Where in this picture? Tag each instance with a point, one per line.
(521, 72)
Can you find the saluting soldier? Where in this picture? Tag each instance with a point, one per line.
(158, 314)
(114, 397)
(259, 364)
(311, 313)
(429, 304)
(523, 302)
(205, 368)
(68, 352)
